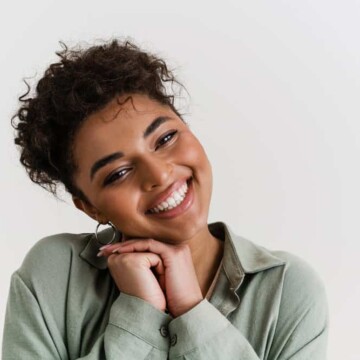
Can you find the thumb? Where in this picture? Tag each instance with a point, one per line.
(154, 261)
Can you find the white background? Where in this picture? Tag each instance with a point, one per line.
(274, 98)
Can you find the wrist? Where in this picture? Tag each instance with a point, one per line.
(178, 311)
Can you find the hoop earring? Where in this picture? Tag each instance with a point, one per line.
(115, 231)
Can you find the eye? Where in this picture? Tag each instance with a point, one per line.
(115, 176)
(165, 139)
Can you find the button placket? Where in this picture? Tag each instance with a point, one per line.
(173, 340)
(164, 331)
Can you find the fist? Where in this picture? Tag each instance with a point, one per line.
(173, 283)
(133, 275)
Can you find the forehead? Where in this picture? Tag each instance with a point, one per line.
(124, 113)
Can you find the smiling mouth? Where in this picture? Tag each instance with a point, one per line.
(174, 200)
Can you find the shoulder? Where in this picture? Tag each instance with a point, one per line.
(303, 308)
(60, 243)
(52, 257)
(296, 279)
(55, 249)
(301, 282)
(302, 317)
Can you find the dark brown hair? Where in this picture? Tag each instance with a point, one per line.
(82, 82)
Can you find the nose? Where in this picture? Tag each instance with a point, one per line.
(155, 172)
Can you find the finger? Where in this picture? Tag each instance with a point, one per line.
(147, 259)
(151, 245)
(107, 250)
(154, 261)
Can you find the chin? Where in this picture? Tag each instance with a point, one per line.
(182, 232)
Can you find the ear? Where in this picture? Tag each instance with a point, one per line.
(89, 210)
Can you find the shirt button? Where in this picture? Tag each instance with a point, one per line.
(173, 340)
(164, 331)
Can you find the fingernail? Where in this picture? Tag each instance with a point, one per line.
(115, 251)
(100, 253)
(104, 247)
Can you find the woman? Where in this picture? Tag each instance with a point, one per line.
(159, 282)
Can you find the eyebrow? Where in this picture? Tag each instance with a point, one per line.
(117, 155)
(155, 124)
(103, 162)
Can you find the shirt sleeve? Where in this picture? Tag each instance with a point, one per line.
(140, 334)
(204, 333)
(300, 334)
(303, 320)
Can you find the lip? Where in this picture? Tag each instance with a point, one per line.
(186, 203)
(164, 195)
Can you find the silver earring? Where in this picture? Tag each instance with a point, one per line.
(115, 232)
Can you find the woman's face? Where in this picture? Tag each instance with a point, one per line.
(141, 168)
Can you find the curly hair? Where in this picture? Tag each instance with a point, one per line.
(81, 83)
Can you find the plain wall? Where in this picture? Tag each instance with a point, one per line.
(274, 98)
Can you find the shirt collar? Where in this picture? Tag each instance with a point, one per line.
(92, 247)
(251, 257)
(241, 256)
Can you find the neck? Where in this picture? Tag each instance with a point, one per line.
(207, 253)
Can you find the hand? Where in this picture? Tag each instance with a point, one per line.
(133, 275)
(176, 274)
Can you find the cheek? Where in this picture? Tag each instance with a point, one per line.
(193, 154)
(123, 215)
(120, 205)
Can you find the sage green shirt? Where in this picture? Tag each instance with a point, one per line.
(63, 304)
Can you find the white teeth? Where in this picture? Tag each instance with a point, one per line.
(171, 201)
(175, 199)
(177, 196)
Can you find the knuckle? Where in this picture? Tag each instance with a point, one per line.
(111, 260)
(127, 259)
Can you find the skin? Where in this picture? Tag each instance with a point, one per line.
(169, 262)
